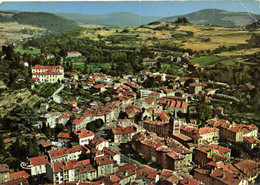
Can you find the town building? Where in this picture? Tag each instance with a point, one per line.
(47, 74)
(123, 134)
(4, 173)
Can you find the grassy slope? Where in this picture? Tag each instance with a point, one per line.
(206, 60)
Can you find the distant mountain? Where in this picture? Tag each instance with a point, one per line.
(48, 21)
(119, 19)
(217, 17)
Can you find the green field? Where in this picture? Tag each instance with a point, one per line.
(94, 67)
(21, 50)
(207, 60)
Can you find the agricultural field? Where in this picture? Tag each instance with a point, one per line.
(238, 53)
(13, 31)
(189, 36)
(206, 60)
(21, 50)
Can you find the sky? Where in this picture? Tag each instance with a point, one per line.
(143, 8)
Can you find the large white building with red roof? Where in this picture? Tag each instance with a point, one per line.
(38, 165)
(49, 74)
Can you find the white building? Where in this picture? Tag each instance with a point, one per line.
(38, 165)
(61, 172)
(73, 54)
(84, 136)
(48, 74)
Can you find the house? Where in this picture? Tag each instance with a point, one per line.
(218, 176)
(132, 111)
(149, 62)
(18, 175)
(4, 173)
(203, 154)
(113, 154)
(251, 142)
(167, 153)
(105, 166)
(219, 111)
(188, 180)
(99, 88)
(200, 135)
(79, 122)
(123, 134)
(64, 137)
(84, 136)
(50, 118)
(44, 107)
(99, 143)
(61, 172)
(63, 154)
(85, 172)
(249, 168)
(38, 167)
(26, 64)
(48, 74)
(195, 88)
(72, 54)
(125, 176)
(73, 104)
(64, 118)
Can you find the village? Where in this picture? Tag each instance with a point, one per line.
(140, 133)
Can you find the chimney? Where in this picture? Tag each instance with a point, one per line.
(223, 174)
(126, 173)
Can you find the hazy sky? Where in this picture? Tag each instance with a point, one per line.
(144, 8)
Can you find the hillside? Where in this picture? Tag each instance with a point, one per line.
(119, 19)
(216, 17)
(50, 22)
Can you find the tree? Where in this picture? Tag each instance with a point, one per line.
(86, 66)
(17, 149)
(2, 144)
(182, 20)
(35, 147)
(30, 149)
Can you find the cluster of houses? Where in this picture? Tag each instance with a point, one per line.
(147, 118)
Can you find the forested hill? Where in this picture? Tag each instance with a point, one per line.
(217, 17)
(51, 22)
(118, 19)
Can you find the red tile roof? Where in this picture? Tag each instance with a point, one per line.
(18, 175)
(110, 152)
(184, 105)
(225, 177)
(4, 168)
(248, 167)
(128, 166)
(103, 160)
(57, 153)
(252, 140)
(95, 142)
(86, 134)
(189, 180)
(123, 130)
(41, 160)
(64, 135)
(149, 100)
(63, 166)
(99, 86)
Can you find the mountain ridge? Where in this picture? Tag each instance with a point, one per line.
(116, 19)
(216, 17)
